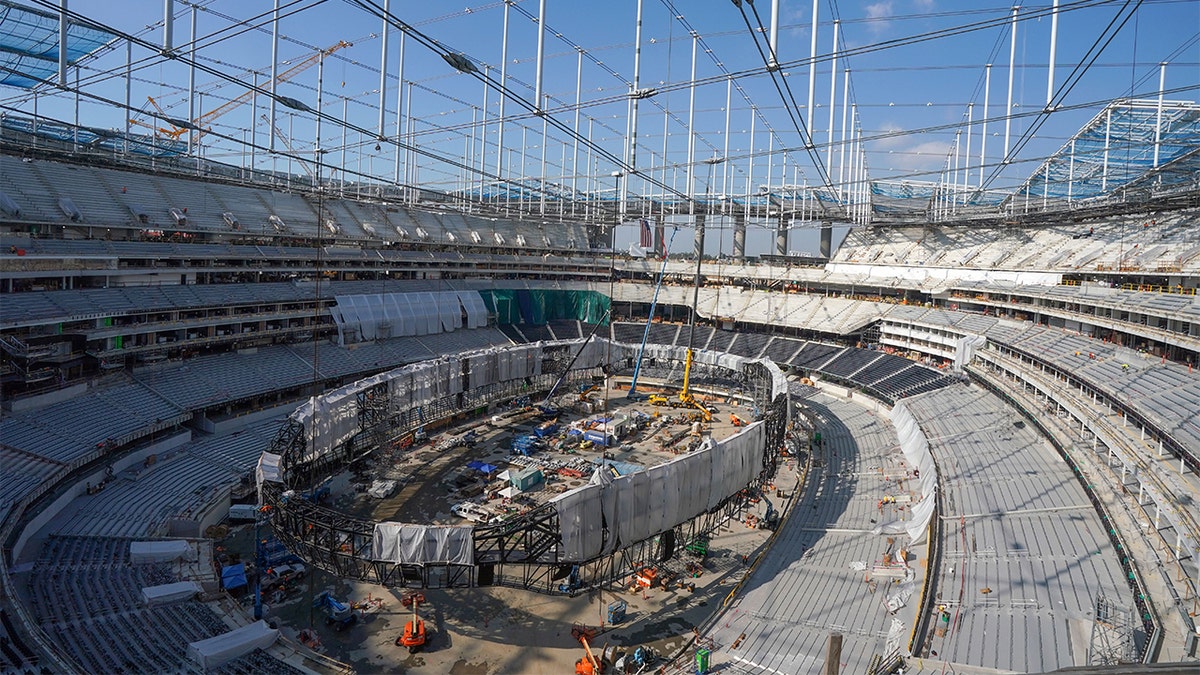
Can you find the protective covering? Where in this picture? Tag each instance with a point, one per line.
(143, 552)
(422, 544)
(964, 350)
(29, 44)
(215, 651)
(233, 576)
(267, 471)
(537, 306)
(915, 447)
(167, 593)
(361, 318)
(644, 503)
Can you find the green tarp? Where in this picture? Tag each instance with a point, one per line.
(539, 306)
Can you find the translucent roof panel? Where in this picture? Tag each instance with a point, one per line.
(1117, 149)
(29, 44)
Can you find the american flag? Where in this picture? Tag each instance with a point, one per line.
(647, 234)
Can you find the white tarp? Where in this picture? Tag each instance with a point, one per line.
(915, 447)
(964, 350)
(421, 544)
(168, 593)
(142, 552)
(639, 505)
(581, 518)
(267, 471)
(220, 649)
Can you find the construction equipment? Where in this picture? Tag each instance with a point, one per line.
(637, 367)
(736, 421)
(685, 395)
(205, 120)
(545, 408)
(337, 614)
(304, 163)
(659, 399)
(589, 665)
(413, 636)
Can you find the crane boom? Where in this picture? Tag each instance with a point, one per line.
(288, 144)
(306, 63)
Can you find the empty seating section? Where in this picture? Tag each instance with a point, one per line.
(664, 333)
(721, 340)
(749, 344)
(535, 333)
(1137, 242)
(69, 430)
(884, 366)
(781, 349)
(628, 333)
(814, 355)
(1164, 394)
(87, 598)
(565, 329)
(110, 197)
(512, 333)
(849, 362)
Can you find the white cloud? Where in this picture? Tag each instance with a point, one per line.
(923, 5)
(877, 15)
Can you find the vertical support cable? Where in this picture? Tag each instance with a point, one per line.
(832, 95)
(966, 177)
(750, 169)
(542, 174)
(383, 71)
(1053, 50)
(541, 54)
(1162, 83)
(128, 83)
(1107, 138)
(62, 43)
(576, 135)
(400, 103)
(254, 127)
(773, 43)
(812, 77)
(1012, 67)
(691, 149)
(842, 143)
(193, 135)
(168, 25)
(1071, 173)
(274, 72)
(320, 109)
(635, 94)
(987, 111)
(503, 88)
(725, 156)
(487, 72)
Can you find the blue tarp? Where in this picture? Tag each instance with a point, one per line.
(482, 467)
(233, 576)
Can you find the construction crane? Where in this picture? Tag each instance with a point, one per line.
(178, 127)
(547, 410)
(637, 367)
(205, 120)
(288, 144)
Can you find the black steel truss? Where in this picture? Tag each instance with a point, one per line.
(524, 551)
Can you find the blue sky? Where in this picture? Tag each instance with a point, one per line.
(911, 97)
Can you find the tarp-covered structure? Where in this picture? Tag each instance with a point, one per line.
(215, 651)
(915, 447)
(423, 544)
(29, 44)
(537, 306)
(598, 519)
(379, 316)
(164, 594)
(233, 576)
(143, 552)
